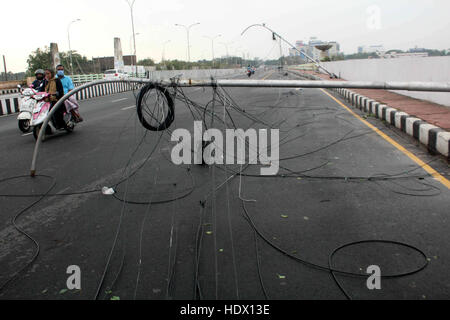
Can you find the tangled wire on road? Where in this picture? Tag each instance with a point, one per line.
(156, 113)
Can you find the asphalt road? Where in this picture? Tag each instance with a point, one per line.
(334, 198)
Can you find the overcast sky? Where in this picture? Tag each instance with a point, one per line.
(402, 24)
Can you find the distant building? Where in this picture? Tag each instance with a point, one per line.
(107, 63)
(311, 50)
(335, 49)
(394, 55)
(416, 50)
(371, 49)
(299, 46)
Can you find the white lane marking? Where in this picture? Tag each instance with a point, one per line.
(128, 108)
(27, 134)
(118, 100)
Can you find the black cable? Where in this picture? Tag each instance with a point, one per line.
(170, 117)
(23, 232)
(190, 190)
(330, 268)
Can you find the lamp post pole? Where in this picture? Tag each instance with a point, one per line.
(212, 46)
(131, 4)
(188, 30)
(227, 44)
(70, 48)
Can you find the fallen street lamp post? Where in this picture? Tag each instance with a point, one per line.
(275, 34)
(407, 86)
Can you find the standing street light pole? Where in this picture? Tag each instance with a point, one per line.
(227, 44)
(4, 65)
(236, 52)
(188, 30)
(131, 42)
(70, 48)
(131, 4)
(212, 46)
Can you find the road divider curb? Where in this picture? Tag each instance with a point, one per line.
(436, 139)
(9, 105)
(103, 90)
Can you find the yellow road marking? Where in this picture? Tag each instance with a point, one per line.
(265, 78)
(410, 155)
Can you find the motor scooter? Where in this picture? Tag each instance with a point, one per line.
(40, 113)
(26, 106)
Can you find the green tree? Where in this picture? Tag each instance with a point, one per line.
(39, 59)
(146, 62)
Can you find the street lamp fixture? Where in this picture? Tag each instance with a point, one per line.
(188, 30)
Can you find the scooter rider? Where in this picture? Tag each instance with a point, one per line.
(54, 88)
(72, 105)
(38, 84)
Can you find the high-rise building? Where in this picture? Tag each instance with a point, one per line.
(311, 50)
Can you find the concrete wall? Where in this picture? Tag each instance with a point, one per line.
(194, 74)
(435, 69)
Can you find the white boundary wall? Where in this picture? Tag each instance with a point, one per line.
(202, 74)
(433, 69)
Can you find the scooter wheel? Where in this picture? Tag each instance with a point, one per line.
(70, 127)
(24, 126)
(37, 130)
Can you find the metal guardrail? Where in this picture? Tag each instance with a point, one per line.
(84, 78)
(9, 91)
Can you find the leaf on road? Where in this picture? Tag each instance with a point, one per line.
(63, 291)
(284, 216)
(115, 298)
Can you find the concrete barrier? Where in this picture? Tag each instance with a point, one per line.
(431, 69)
(9, 104)
(436, 139)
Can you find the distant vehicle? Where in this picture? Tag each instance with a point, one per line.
(250, 71)
(115, 74)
